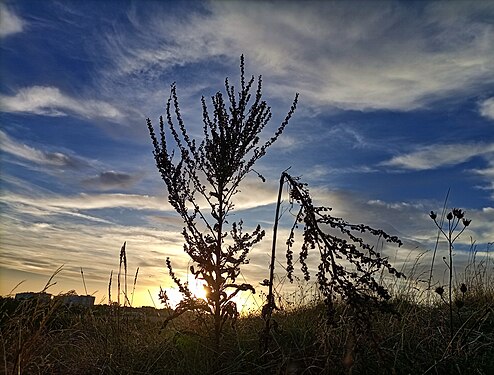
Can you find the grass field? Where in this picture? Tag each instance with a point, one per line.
(48, 338)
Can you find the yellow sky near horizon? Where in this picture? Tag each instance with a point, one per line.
(12, 282)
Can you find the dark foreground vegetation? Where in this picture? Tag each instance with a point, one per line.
(40, 338)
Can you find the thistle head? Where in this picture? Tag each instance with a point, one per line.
(440, 290)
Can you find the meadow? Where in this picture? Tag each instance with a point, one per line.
(413, 337)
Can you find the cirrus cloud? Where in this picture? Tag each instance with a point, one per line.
(110, 180)
(435, 156)
(50, 101)
(10, 23)
(487, 108)
(37, 156)
(365, 58)
(83, 201)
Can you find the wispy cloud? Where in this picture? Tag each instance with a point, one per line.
(81, 202)
(50, 101)
(488, 174)
(43, 246)
(37, 156)
(487, 108)
(364, 57)
(10, 23)
(111, 180)
(348, 134)
(435, 156)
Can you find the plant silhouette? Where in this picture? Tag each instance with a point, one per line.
(202, 181)
(451, 232)
(338, 243)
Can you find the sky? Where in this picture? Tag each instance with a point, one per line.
(396, 108)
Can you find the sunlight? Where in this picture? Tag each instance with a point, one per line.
(196, 286)
(246, 301)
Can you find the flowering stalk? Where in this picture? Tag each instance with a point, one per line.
(454, 218)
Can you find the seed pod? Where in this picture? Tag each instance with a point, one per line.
(440, 290)
(463, 288)
(433, 215)
(458, 213)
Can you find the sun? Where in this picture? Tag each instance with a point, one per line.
(197, 288)
(246, 301)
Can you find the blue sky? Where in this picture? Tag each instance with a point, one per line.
(396, 107)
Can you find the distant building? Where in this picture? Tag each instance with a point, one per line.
(76, 300)
(69, 299)
(42, 297)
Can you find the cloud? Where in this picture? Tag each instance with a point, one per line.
(42, 247)
(487, 108)
(61, 204)
(40, 157)
(254, 193)
(110, 180)
(50, 101)
(436, 156)
(10, 23)
(334, 53)
(488, 174)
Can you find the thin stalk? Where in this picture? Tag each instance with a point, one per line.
(84, 281)
(271, 266)
(134, 287)
(437, 239)
(450, 291)
(109, 288)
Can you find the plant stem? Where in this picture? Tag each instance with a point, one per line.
(217, 291)
(450, 283)
(437, 239)
(271, 266)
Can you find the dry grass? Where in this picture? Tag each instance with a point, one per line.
(51, 339)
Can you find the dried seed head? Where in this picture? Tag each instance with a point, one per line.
(265, 282)
(466, 222)
(433, 215)
(449, 216)
(463, 288)
(440, 290)
(458, 213)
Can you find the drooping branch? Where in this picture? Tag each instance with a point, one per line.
(355, 284)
